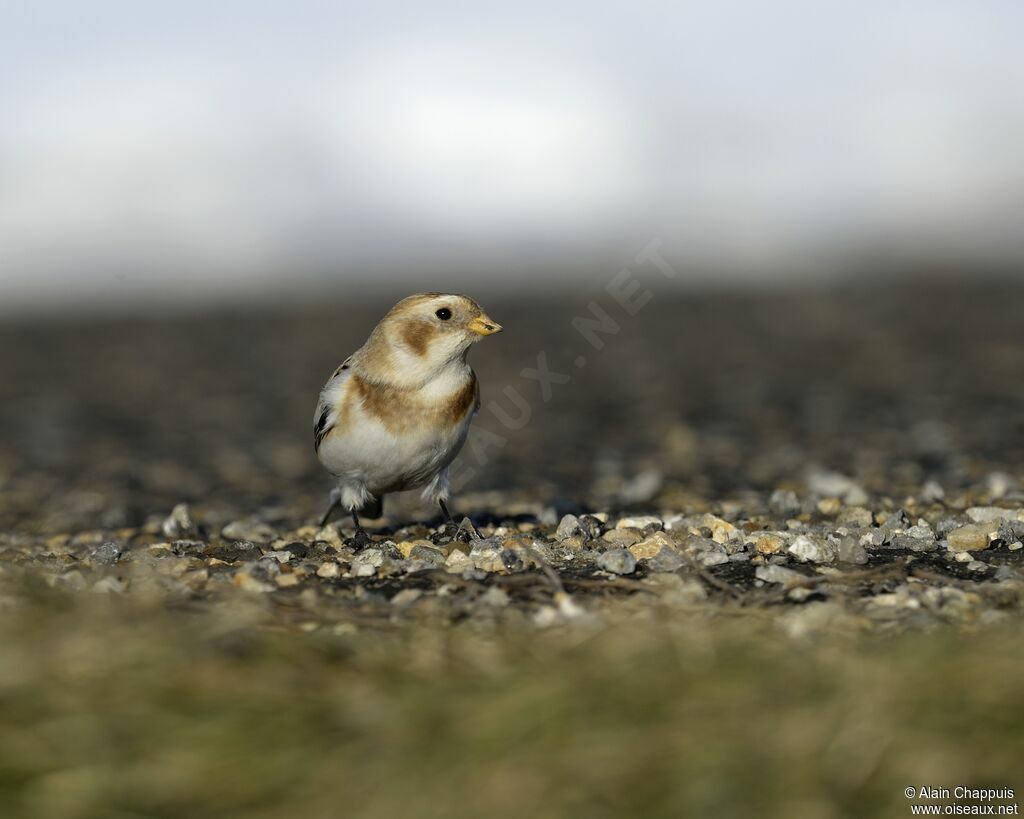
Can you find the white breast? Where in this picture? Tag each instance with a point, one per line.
(364, 454)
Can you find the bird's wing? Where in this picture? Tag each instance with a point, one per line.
(327, 407)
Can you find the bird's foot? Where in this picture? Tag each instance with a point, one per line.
(360, 540)
(464, 532)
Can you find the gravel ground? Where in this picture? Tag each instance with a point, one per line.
(757, 555)
(854, 449)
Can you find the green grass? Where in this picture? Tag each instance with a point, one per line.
(115, 710)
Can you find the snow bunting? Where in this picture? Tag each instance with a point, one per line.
(395, 414)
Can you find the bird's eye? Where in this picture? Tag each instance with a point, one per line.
(444, 314)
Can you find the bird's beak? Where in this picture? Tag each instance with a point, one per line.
(484, 325)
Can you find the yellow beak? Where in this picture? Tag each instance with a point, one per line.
(484, 325)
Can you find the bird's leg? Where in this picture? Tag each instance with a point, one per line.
(471, 535)
(361, 539)
(335, 502)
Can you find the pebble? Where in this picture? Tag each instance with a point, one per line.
(366, 563)
(704, 551)
(109, 585)
(424, 557)
(328, 569)
(252, 530)
(568, 527)
(777, 574)
(932, 492)
(179, 523)
(458, 562)
(108, 552)
(784, 503)
(623, 538)
(855, 516)
(812, 549)
(617, 561)
(850, 551)
(406, 597)
(971, 538)
(830, 506)
(667, 560)
(652, 546)
(495, 597)
(990, 514)
(770, 544)
(488, 557)
(640, 522)
(977, 566)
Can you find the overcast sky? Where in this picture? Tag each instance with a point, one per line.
(195, 149)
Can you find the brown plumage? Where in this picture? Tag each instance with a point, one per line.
(396, 413)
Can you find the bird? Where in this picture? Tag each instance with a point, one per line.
(395, 413)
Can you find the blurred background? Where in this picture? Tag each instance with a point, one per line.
(204, 208)
(191, 154)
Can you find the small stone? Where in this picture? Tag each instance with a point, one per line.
(855, 516)
(971, 538)
(784, 503)
(652, 546)
(623, 538)
(329, 534)
(458, 562)
(813, 549)
(108, 552)
(896, 524)
(991, 514)
(963, 557)
(406, 597)
(252, 530)
(366, 563)
(487, 556)
(932, 492)
(703, 551)
(247, 581)
(833, 484)
(667, 560)
(617, 561)
(109, 585)
(850, 551)
(998, 484)
(777, 574)
(179, 523)
(1016, 546)
(568, 527)
(425, 557)
(640, 522)
(914, 544)
(830, 506)
(721, 530)
(770, 544)
(977, 566)
(328, 569)
(495, 597)
(287, 581)
(642, 488)
(873, 539)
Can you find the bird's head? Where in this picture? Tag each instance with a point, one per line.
(423, 333)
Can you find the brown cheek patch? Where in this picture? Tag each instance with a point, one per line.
(417, 335)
